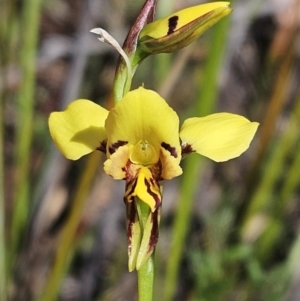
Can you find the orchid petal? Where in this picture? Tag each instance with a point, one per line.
(79, 129)
(220, 136)
(145, 187)
(149, 238)
(170, 167)
(134, 234)
(142, 115)
(115, 165)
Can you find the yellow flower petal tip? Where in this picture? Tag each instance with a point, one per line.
(134, 244)
(79, 129)
(220, 136)
(181, 28)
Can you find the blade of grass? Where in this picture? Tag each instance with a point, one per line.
(274, 109)
(3, 21)
(68, 235)
(181, 226)
(25, 107)
(278, 98)
(293, 265)
(194, 165)
(265, 200)
(8, 22)
(272, 171)
(277, 102)
(292, 178)
(2, 210)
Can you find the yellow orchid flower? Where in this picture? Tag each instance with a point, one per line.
(181, 28)
(144, 146)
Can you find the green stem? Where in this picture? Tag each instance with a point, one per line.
(123, 80)
(146, 279)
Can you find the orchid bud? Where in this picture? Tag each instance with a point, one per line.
(181, 28)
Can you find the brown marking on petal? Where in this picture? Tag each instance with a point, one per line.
(102, 147)
(186, 149)
(156, 197)
(130, 187)
(170, 149)
(172, 24)
(115, 146)
(156, 171)
(132, 217)
(154, 231)
(131, 170)
(153, 239)
(130, 213)
(152, 181)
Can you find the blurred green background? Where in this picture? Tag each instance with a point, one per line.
(229, 231)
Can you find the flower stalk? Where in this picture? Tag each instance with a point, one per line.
(135, 56)
(146, 280)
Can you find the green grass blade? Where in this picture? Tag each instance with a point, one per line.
(25, 110)
(2, 211)
(194, 165)
(68, 235)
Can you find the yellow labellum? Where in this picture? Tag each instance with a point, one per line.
(145, 188)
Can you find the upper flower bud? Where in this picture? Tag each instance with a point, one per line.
(181, 28)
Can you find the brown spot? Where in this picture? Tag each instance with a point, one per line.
(156, 171)
(131, 170)
(170, 149)
(154, 231)
(186, 149)
(102, 147)
(116, 145)
(173, 21)
(131, 219)
(129, 190)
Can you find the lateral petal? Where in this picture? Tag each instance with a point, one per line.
(79, 129)
(170, 167)
(220, 136)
